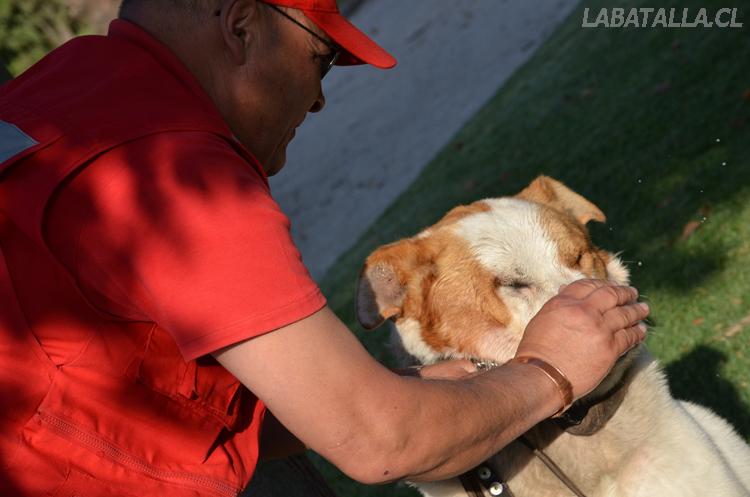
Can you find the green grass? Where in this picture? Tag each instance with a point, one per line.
(640, 121)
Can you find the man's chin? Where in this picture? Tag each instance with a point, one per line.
(276, 164)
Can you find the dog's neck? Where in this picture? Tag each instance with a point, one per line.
(586, 417)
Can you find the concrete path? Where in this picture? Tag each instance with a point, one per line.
(380, 128)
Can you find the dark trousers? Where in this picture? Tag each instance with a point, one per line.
(291, 477)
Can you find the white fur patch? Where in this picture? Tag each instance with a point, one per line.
(617, 271)
(510, 240)
(500, 345)
(410, 331)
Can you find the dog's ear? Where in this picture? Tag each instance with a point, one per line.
(550, 192)
(382, 285)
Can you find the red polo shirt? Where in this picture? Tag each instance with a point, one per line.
(183, 233)
(136, 236)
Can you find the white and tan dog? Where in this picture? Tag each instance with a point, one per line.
(467, 287)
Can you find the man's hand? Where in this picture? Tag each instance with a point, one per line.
(584, 330)
(448, 370)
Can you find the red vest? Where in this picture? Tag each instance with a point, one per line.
(114, 410)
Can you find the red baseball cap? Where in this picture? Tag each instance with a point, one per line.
(358, 47)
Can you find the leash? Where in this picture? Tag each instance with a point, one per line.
(482, 478)
(559, 473)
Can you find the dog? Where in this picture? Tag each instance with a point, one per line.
(467, 286)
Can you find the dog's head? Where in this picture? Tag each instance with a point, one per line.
(468, 285)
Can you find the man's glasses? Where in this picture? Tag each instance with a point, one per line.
(326, 61)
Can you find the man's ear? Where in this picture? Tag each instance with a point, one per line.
(383, 281)
(550, 192)
(239, 20)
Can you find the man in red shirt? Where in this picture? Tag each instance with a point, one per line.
(147, 276)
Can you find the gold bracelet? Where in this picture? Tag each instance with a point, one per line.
(554, 374)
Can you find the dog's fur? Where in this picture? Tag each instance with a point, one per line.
(467, 287)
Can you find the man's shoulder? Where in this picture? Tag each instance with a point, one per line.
(177, 163)
(109, 90)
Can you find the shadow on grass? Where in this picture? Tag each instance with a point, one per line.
(696, 377)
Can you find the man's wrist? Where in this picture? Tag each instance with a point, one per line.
(562, 384)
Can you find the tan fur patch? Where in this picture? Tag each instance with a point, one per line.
(460, 212)
(551, 193)
(455, 303)
(573, 243)
(402, 268)
(386, 278)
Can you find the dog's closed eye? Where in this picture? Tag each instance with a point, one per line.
(513, 284)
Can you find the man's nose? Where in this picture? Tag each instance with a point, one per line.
(319, 102)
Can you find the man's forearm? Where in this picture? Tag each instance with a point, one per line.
(374, 425)
(521, 397)
(477, 417)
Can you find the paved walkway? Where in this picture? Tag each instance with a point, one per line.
(380, 128)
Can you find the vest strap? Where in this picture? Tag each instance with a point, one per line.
(13, 141)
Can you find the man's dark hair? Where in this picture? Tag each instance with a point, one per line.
(187, 5)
